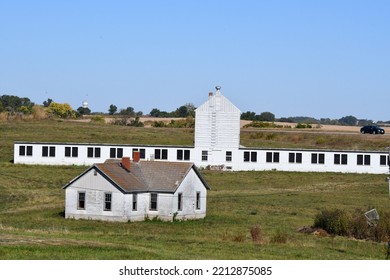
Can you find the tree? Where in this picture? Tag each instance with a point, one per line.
(266, 117)
(47, 102)
(250, 116)
(155, 113)
(12, 103)
(83, 111)
(112, 110)
(129, 111)
(61, 110)
(181, 112)
(348, 120)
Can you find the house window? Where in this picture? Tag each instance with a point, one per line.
(228, 156)
(197, 200)
(295, 157)
(93, 152)
(134, 202)
(116, 152)
(71, 151)
(48, 151)
(384, 160)
(317, 158)
(107, 201)
(81, 201)
(25, 150)
(160, 153)
(363, 160)
(183, 155)
(341, 159)
(153, 202)
(179, 201)
(141, 152)
(205, 155)
(272, 157)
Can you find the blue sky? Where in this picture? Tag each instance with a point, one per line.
(324, 59)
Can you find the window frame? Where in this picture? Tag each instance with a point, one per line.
(180, 201)
(229, 156)
(153, 206)
(205, 155)
(81, 200)
(107, 201)
(134, 205)
(198, 201)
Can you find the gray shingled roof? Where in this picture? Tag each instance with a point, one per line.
(145, 176)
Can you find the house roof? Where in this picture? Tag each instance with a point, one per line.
(145, 176)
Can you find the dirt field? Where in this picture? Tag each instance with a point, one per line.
(337, 128)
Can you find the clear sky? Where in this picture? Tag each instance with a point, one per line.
(324, 59)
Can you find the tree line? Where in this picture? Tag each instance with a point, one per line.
(270, 117)
(14, 105)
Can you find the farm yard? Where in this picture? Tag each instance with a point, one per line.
(250, 215)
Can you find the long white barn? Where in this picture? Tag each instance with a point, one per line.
(217, 134)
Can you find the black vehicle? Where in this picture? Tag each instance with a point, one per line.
(372, 129)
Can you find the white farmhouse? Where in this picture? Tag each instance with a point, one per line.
(124, 190)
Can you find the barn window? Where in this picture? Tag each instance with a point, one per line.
(160, 153)
(317, 158)
(141, 152)
(93, 152)
(272, 157)
(228, 156)
(183, 154)
(250, 156)
(205, 155)
(253, 156)
(25, 150)
(384, 160)
(81, 200)
(363, 160)
(71, 151)
(116, 152)
(179, 201)
(153, 202)
(341, 159)
(107, 201)
(197, 200)
(246, 156)
(134, 202)
(295, 157)
(48, 151)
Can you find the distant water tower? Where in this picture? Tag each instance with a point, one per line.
(84, 104)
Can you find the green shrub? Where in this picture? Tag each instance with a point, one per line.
(303, 125)
(382, 229)
(354, 224)
(333, 221)
(98, 119)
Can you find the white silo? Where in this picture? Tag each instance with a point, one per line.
(217, 124)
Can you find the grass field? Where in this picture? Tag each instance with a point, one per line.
(32, 225)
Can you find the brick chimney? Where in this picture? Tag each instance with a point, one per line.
(136, 156)
(126, 163)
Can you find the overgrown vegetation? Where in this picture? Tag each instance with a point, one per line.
(354, 224)
(188, 122)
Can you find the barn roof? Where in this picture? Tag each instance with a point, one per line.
(218, 102)
(145, 176)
